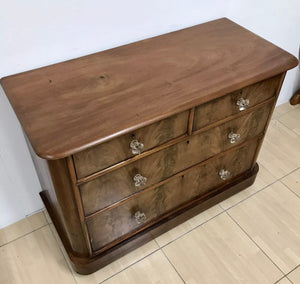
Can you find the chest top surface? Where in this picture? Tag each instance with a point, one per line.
(70, 106)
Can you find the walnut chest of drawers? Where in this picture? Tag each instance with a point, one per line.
(132, 141)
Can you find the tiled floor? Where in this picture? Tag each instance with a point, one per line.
(252, 237)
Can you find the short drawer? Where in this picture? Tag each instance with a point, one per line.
(144, 208)
(125, 181)
(129, 145)
(235, 102)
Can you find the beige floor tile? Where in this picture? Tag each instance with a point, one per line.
(112, 268)
(292, 181)
(283, 109)
(280, 153)
(292, 120)
(272, 220)
(22, 228)
(264, 178)
(294, 276)
(117, 265)
(284, 281)
(153, 269)
(188, 225)
(220, 252)
(34, 258)
(49, 221)
(61, 246)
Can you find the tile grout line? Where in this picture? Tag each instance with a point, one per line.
(189, 231)
(287, 125)
(173, 266)
(291, 109)
(287, 275)
(68, 265)
(282, 279)
(24, 235)
(135, 262)
(289, 188)
(45, 212)
(254, 242)
(279, 179)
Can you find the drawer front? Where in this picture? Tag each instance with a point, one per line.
(225, 106)
(144, 208)
(112, 187)
(122, 148)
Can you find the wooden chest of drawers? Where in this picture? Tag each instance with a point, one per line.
(135, 140)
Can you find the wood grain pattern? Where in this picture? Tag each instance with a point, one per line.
(71, 106)
(119, 221)
(172, 142)
(220, 108)
(119, 184)
(117, 150)
(84, 265)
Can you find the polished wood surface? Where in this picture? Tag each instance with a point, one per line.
(223, 107)
(68, 107)
(118, 149)
(118, 184)
(120, 220)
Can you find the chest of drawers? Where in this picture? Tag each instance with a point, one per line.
(132, 141)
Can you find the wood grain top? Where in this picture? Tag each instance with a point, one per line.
(70, 106)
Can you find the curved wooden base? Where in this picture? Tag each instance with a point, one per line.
(85, 265)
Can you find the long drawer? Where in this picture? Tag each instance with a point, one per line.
(112, 187)
(154, 203)
(129, 145)
(235, 102)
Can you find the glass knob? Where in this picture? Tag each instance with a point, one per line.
(139, 180)
(140, 217)
(242, 103)
(224, 174)
(234, 137)
(136, 147)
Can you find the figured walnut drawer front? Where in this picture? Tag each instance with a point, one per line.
(154, 203)
(112, 187)
(228, 105)
(121, 148)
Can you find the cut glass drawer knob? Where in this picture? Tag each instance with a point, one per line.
(234, 137)
(140, 217)
(242, 103)
(136, 147)
(224, 174)
(139, 180)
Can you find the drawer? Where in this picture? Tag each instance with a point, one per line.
(225, 106)
(129, 145)
(154, 203)
(120, 183)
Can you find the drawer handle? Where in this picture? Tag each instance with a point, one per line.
(136, 147)
(243, 103)
(140, 217)
(224, 174)
(139, 180)
(234, 137)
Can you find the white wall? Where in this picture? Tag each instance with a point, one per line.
(277, 21)
(39, 33)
